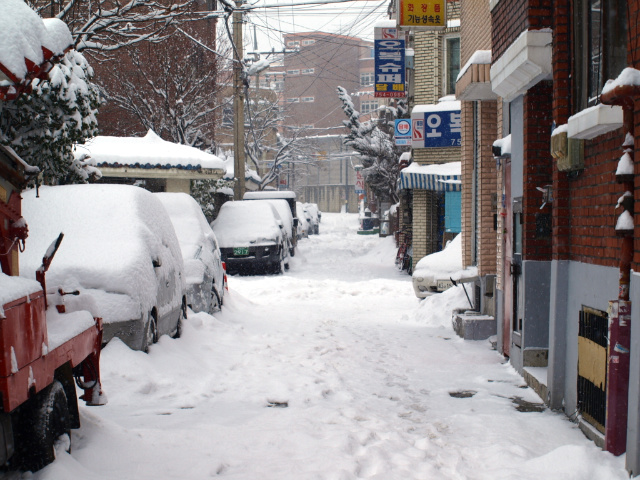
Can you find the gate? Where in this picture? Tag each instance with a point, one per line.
(592, 366)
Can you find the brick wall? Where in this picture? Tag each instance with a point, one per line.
(501, 207)
(467, 155)
(474, 31)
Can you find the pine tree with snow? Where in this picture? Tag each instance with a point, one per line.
(374, 141)
(43, 126)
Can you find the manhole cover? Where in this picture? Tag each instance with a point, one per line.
(525, 406)
(463, 394)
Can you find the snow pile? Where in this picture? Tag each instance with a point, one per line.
(628, 76)
(23, 34)
(149, 151)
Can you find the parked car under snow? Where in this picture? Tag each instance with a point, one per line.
(204, 272)
(251, 237)
(432, 273)
(119, 259)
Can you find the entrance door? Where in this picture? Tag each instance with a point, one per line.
(507, 255)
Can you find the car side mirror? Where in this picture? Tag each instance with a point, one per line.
(157, 263)
(295, 222)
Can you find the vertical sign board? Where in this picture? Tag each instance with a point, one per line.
(359, 181)
(422, 14)
(389, 63)
(436, 126)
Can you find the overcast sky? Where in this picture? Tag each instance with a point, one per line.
(355, 18)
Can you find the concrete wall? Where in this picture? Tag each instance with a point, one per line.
(573, 285)
(633, 425)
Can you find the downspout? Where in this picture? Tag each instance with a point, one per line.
(620, 315)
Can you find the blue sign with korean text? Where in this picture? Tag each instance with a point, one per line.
(389, 68)
(437, 129)
(402, 131)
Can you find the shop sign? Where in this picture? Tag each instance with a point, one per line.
(436, 129)
(389, 63)
(422, 14)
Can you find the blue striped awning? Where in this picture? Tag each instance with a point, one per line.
(431, 177)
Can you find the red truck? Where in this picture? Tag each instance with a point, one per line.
(44, 350)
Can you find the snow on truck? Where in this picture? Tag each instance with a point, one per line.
(44, 350)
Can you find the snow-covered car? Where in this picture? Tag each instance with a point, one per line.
(251, 237)
(432, 273)
(120, 258)
(315, 214)
(203, 269)
(284, 212)
(304, 221)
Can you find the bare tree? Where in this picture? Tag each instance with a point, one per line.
(103, 26)
(175, 92)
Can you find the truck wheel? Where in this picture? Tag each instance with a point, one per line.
(45, 421)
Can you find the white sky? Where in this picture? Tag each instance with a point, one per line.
(349, 18)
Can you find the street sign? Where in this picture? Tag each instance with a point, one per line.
(437, 126)
(402, 131)
(422, 14)
(359, 181)
(389, 51)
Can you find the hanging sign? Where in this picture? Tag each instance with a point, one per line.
(437, 126)
(359, 181)
(389, 63)
(402, 131)
(422, 14)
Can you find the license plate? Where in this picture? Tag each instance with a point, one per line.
(444, 285)
(239, 251)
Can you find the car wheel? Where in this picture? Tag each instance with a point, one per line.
(46, 420)
(151, 332)
(216, 300)
(181, 319)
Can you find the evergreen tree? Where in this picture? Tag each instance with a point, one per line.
(43, 126)
(374, 141)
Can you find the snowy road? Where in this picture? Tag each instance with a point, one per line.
(332, 371)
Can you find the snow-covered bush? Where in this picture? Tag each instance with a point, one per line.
(43, 126)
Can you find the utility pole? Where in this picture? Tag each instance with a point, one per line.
(238, 104)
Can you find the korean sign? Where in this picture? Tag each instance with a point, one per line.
(389, 63)
(402, 131)
(436, 126)
(422, 14)
(359, 181)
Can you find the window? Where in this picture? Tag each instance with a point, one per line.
(308, 99)
(600, 47)
(368, 106)
(293, 72)
(293, 100)
(307, 71)
(308, 42)
(367, 79)
(452, 64)
(227, 117)
(278, 86)
(292, 43)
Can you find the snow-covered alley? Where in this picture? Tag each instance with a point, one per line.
(332, 371)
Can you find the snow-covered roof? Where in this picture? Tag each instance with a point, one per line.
(479, 57)
(446, 104)
(269, 194)
(148, 152)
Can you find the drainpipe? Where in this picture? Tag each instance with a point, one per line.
(620, 310)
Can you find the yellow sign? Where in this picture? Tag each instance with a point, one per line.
(423, 14)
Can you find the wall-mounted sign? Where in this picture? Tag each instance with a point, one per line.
(359, 181)
(402, 131)
(389, 63)
(422, 14)
(436, 126)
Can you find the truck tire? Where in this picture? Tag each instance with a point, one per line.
(46, 420)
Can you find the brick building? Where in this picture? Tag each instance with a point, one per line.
(311, 107)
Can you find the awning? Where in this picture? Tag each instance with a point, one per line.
(439, 178)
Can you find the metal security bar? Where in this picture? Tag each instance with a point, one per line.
(592, 366)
